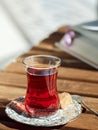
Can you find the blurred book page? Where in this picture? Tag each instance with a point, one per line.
(92, 35)
(83, 49)
(91, 25)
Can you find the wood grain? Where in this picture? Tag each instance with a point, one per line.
(74, 76)
(63, 72)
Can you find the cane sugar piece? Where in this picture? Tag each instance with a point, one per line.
(65, 99)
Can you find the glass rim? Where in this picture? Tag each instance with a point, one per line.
(44, 56)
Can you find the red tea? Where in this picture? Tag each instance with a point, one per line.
(41, 97)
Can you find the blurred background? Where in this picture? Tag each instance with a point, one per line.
(24, 23)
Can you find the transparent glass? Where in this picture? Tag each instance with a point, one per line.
(41, 97)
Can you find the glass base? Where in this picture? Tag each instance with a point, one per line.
(35, 112)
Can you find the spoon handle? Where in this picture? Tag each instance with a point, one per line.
(90, 109)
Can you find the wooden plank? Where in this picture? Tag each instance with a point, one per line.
(13, 79)
(77, 87)
(18, 66)
(67, 60)
(42, 52)
(63, 73)
(47, 46)
(84, 122)
(15, 67)
(81, 88)
(78, 75)
(11, 92)
(13, 125)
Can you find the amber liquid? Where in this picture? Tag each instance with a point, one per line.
(41, 97)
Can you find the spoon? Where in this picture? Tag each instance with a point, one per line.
(79, 99)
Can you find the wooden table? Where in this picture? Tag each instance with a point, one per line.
(74, 77)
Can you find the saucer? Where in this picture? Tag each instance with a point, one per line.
(16, 111)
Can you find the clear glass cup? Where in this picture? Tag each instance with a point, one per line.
(41, 98)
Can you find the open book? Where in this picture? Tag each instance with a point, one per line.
(84, 47)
